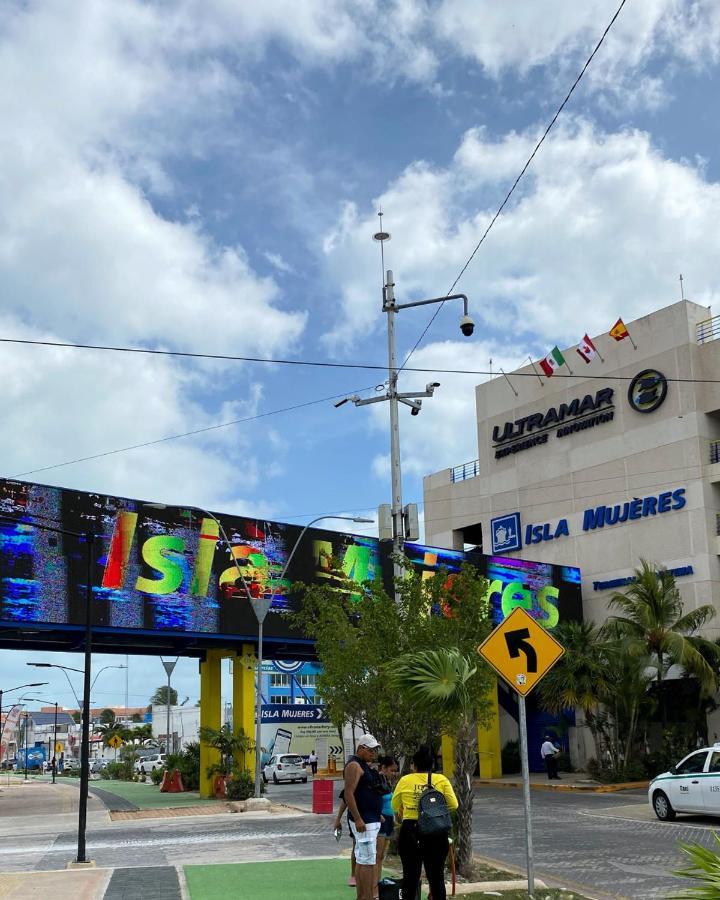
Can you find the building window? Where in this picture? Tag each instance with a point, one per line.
(278, 680)
(306, 680)
(279, 698)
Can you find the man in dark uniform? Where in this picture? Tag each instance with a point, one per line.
(364, 801)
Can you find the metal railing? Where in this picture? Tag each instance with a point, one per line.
(717, 523)
(714, 451)
(709, 330)
(467, 470)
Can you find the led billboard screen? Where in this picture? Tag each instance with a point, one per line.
(169, 571)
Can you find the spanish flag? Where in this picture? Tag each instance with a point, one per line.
(619, 331)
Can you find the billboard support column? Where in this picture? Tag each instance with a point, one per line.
(244, 699)
(489, 749)
(447, 745)
(210, 715)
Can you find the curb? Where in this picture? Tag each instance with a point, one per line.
(569, 788)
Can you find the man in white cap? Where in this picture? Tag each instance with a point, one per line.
(364, 801)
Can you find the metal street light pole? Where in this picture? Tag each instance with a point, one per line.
(411, 399)
(25, 743)
(89, 538)
(261, 607)
(10, 691)
(169, 666)
(54, 702)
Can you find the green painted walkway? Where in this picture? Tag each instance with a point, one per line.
(295, 879)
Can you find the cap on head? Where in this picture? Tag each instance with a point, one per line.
(367, 740)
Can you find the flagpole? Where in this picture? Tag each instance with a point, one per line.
(510, 383)
(631, 338)
(535, 370)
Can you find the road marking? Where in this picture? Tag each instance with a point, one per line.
(674, 824)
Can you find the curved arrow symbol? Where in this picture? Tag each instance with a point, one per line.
(519, 640)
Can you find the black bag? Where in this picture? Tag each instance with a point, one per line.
(389, 889)
(433, 813)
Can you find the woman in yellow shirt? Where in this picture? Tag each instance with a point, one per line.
(416, 849)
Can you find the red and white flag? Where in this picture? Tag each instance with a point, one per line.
(587, 349)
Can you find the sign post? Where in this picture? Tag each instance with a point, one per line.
(521, 651)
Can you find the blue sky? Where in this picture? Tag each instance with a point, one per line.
(206, 177)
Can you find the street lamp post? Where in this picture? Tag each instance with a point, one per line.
(10, 691)
(25, 743)
(89, 539)
(54, 739)
(261, 607)
(168, 666)
(411, 399)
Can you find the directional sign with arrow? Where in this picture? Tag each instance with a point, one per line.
(521, 651)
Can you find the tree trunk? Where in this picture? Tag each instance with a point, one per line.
(465, 760)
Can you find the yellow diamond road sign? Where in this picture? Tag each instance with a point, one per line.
(115, 741)
(521, 651)
(58, 747)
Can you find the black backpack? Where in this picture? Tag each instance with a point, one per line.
(433, 813)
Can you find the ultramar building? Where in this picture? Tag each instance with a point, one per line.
(600, 470)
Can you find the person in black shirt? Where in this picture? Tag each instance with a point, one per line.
(364, 801)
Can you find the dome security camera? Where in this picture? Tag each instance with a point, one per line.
(467, 326)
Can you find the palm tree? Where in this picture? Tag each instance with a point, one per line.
(654, 623)
(229, 743)
(439, 682)
(582, 678)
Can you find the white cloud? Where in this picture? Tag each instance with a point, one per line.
(602, 226)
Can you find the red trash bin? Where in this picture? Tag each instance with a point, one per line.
(322, 795)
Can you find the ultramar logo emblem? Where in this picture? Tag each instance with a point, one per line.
(647, 391)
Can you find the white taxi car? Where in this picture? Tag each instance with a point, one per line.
(692, 786)
(285, 767)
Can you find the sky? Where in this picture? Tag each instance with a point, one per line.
(206, 177)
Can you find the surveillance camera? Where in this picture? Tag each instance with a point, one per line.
(415, 411)
(430, 387)
(467, 326)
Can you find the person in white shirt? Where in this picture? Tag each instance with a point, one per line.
(549, 752)
(313, 760)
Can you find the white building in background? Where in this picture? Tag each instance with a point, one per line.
(184, 725)
(598, 471)
(618, 464)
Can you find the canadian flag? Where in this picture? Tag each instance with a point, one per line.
(587, 349)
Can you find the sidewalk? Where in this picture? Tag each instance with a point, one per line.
(569, 781)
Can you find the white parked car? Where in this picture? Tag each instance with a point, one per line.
(692, 786)
(285, 767)
(148, 764)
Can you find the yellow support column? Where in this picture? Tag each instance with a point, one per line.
(447, 746)
(489, 741)
(244, 700)
(210, 715)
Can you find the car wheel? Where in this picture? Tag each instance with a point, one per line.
(264, 776)
(663, 807)
(275, 779)
(304, 780)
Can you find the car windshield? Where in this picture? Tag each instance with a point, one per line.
(292, 760)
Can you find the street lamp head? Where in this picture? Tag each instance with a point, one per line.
(363, 519)
(40, 665)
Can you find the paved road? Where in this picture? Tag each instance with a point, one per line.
(609, 843)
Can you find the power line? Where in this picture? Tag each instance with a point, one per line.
(324, 364)
(174, 437)
(517, 180)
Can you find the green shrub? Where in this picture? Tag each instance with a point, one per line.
(157, 775)
(704, 868)
(188, 764)
(119, 770)
(510, 756)
(240, 785)
(563, 762)
(104, 774)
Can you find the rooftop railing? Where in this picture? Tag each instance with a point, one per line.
(709, 330)
(467, 470)
(714, 452)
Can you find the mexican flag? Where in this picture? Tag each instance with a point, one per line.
(552, 361)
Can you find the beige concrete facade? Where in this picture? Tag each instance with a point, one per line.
(630, 455)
